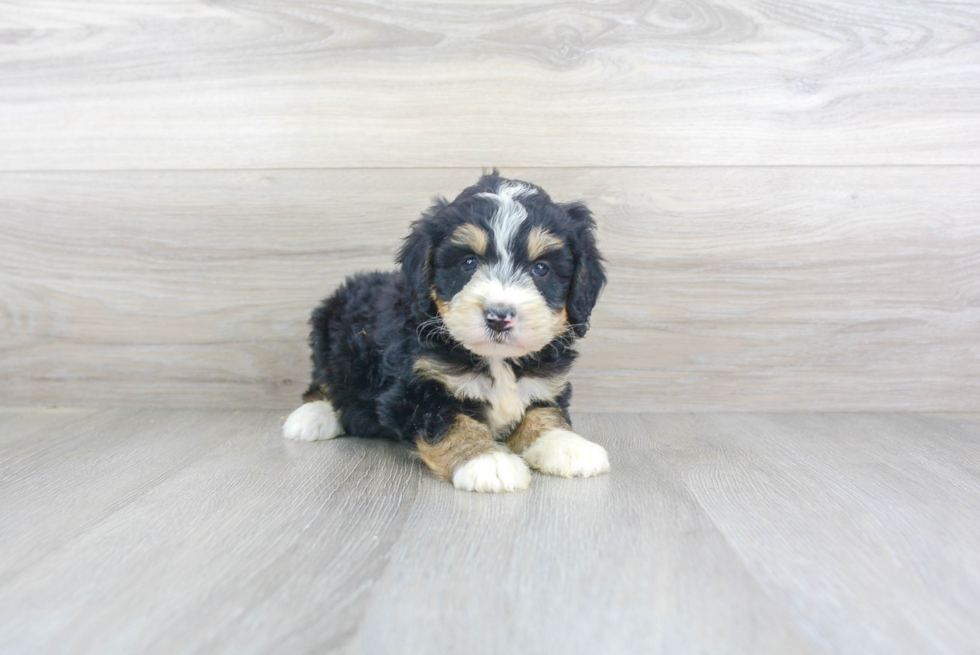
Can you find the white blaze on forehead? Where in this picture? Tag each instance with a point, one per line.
(509, 216)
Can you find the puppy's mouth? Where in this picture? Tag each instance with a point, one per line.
(501, 338)
(486, 339)
(497, 346)
(515, 342)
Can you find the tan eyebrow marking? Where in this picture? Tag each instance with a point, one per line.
(540, 241)
(472, 236)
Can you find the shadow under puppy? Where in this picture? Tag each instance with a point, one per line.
(465, 352)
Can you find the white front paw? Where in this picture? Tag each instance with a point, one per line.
(493, 472)
(564, 453)
(312, 421)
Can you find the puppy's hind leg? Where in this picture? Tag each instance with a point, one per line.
(314, 420)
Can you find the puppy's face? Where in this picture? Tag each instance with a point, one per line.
(505, 268)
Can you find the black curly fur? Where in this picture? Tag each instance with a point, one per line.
(367, 336)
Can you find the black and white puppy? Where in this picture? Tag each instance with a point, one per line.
(465, 352)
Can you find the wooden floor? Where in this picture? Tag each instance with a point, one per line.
(164, 531)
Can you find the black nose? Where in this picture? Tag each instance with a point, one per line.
(499, 319)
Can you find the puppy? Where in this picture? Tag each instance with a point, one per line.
(465, 352)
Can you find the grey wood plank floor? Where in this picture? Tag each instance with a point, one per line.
(164, 531)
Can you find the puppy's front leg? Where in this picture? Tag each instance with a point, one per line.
(468, 455)
(545, 440)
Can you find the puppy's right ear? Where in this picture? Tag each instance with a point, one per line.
(415, 258)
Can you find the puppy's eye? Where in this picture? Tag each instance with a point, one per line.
(469, 264)
(540, 270)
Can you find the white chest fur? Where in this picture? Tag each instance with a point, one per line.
(506, 395)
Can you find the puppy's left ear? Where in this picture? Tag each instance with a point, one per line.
(589, 276)
(415, 258)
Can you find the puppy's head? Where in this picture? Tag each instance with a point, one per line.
(505, 269)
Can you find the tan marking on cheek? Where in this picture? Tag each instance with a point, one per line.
(467, 438)
(441, 306)
(536, 422)
(541, 241)
(471, 236)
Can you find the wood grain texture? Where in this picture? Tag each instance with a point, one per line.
(737, 533)
(553, 570)
(261, 84)
(20, 427)
(830, 511)
(248, 543)
(742, 288)
(88, 453)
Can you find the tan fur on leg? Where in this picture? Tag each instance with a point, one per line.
(536, 422)
(466, 439)
(469, 456)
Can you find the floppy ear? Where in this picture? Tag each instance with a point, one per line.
(589, 276)
(414, 258)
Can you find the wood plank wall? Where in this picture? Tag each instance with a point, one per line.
(788, 192)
